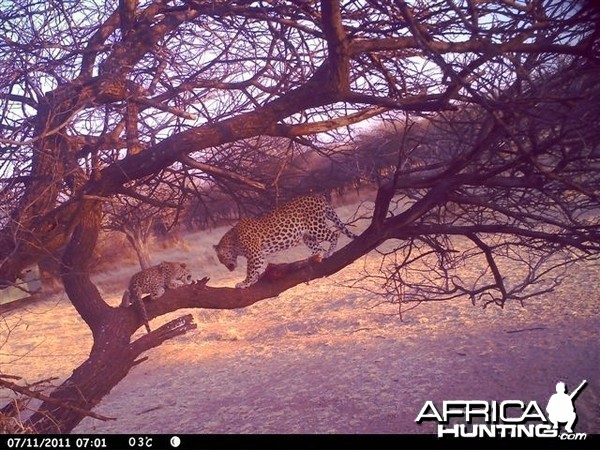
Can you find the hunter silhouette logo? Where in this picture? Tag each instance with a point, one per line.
(508, 418)
(560, 407)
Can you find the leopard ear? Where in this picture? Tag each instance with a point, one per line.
(184, 265)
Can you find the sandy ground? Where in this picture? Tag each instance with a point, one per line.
(322, 358)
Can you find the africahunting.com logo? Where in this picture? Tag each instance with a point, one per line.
(509, 418)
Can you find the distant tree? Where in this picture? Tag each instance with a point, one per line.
(100, 101)
(136, 215)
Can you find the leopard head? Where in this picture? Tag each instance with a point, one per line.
(226, 252)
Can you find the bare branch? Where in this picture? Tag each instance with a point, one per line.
(63, 404)
(216, 171)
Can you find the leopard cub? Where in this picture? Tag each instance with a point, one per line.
(155, 281)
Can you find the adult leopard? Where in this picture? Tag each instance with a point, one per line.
(302, 219)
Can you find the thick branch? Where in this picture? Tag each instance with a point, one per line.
(337, 45)
(172, 329)
(77, 258)
(199, 295)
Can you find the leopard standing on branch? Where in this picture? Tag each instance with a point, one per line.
(155, 281)
(302, 219)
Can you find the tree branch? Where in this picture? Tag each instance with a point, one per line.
(489, 257)
(360, 46)
(63, 404)
(174, 328)
(304, 129)
(219, 172)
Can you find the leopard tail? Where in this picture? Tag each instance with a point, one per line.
(126, 299)
(331, 215)
(143, 312)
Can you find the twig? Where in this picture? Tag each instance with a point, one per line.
(526, 329)
(12, 377)
(33, 394)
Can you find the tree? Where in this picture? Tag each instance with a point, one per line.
(528, 199)
(136, 215)
(101, 101)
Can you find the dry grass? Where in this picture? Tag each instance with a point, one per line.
(322, 357)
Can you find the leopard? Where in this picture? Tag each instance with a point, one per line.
(302, 219)
(155, 281)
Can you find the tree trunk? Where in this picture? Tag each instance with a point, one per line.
(112, 354)
(139, 242)
(90, 382)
